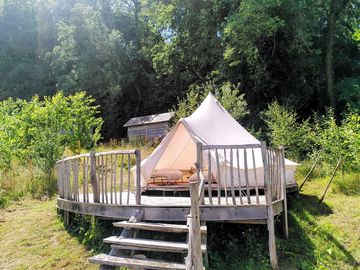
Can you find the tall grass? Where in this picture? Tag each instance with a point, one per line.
(24, 180)
(27, 179)
(348, 184)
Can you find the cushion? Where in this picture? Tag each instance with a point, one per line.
(169, 174)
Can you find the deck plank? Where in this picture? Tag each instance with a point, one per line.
(149, 244)
(147, 200)
(165, 213)
(159, 227)
(104, 259)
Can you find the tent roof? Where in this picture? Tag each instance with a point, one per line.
(149, 119)
(212, 124)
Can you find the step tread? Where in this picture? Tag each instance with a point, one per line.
(161, 227)
(149, 244)
(104, 259)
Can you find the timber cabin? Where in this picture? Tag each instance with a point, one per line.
(149, 126)
(222, 173)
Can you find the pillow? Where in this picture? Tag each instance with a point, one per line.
(169, 174)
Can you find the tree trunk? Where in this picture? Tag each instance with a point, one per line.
(329, 53)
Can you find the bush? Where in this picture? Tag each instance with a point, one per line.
(6, 197)
(349, 184)
(37, 132)
(284, 130)
(341, 140)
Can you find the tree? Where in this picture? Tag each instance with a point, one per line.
(227, 94)
(40, 130)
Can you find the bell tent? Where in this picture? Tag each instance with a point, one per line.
(210, 124)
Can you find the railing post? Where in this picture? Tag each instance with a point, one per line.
(269, 208)
(93, 181)
(60, 179)
(199, 162)
(283, 183)
(138, 177)
(194, 258)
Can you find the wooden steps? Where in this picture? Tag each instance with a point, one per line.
(104, 259)
(158, 227)
(128, 241)
(148, 244)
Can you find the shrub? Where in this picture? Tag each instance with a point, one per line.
(342, 140)
(39, 131)
(284, 130)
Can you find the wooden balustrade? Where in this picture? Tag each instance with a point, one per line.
(105, 177)
(235, 174)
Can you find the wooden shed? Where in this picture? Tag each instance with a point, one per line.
(149, 126)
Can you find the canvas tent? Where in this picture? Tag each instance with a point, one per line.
(210, 124)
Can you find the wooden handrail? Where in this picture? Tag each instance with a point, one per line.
(98, 154)
(105, 172)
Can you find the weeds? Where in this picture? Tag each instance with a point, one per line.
(348, 184)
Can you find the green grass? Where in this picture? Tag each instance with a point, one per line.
(322, 235)
(33, 237)
(27, 179)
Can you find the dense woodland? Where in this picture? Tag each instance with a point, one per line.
(72, 72)
(137, 57)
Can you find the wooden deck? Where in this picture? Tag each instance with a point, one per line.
(160, 208)
(104, 185)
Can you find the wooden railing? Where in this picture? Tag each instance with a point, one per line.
(245, 180)
(240, 174)
(105, 177)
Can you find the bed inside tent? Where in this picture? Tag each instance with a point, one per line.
(172, 164)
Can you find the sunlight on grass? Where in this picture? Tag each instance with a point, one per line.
(32, 237)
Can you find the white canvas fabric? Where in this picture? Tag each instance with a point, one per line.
(210, 124)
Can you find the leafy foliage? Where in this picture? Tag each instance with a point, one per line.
(227, 94)
(284, 130)
(341, 140)
(140, 57)
(319, 135)
(40, 130)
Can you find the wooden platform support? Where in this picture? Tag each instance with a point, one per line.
(270, 211)
(194, 258)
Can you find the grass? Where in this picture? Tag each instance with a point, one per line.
(323, 236)
(27, 179)
(33, 237)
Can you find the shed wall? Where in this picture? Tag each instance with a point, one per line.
(149, 130)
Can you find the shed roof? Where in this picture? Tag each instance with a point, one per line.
(149, 119)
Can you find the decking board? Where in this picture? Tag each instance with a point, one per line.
(130, 262)
(167, 213)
